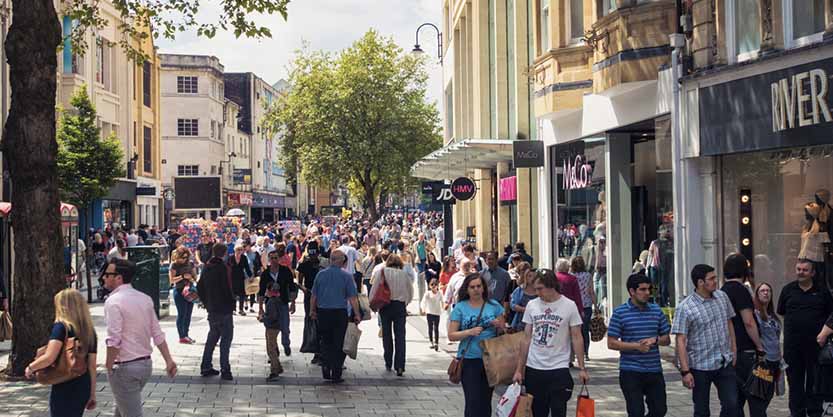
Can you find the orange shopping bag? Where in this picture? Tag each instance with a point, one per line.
(586, 407)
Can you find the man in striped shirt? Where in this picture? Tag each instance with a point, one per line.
(637, 329)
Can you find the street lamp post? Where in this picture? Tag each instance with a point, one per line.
(223, 176)
(418, 50)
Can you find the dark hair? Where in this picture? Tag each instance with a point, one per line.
(463, 294)
(280, 248)
(507, 249)
(384, 254)
(430, 254)
(577, 264)
(125, 268)
(699, 272)
(468, 247)
(765, 311)
(806, 261)
(519, 246)
(548, 279)
(448, 262)
(637, 279)
(736, 266)
(490, 253)
(345, 240)
(219, 250)
(400, 245)
(433, 281)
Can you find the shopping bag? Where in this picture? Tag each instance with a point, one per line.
(586, 407)
(598, 329)
(5, 326)
(381, 297)
(351, 340)
(500, 357)
(364, 306)
(507, 402)
(310, 341)
(761, 382)
(524, 406)
(190, 293)
(252, 285)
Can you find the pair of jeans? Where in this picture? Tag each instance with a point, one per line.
(476, 390)
(585, 329)
(801, 373)
(283, 315)
(743, 369)
(726, 382)
(393, 315)
(241, 301)
(126, 383)
(332, 325)
(184, 308)
(550, 390)
(433, 328)
(640, 388)
(220, 328)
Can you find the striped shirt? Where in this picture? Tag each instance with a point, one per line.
(705, 322)
(630, 324)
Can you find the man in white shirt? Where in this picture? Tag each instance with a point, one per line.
(351, 253)
(456, 281)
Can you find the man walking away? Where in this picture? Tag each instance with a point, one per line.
(216, 296)
(497, 279)
(332, 291)
(805, 306)
(637, 329)
(706, 343)
(131, 324)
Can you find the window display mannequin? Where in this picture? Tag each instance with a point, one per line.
(660, 264)
(813, 239)
(600, 276)
(601, 211)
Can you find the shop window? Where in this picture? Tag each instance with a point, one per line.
(606, 7)
(187, 127)
(576, 20)
(744, 36)
(803, 21)
(187, 85)
(544, 25)
(147, 151)
(146, 84)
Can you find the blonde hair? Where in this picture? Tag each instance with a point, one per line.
(394, 261)
(181, 253)
(72, 310)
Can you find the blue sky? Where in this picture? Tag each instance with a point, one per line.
(326, 25)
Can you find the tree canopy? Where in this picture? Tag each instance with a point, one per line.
(358, 118)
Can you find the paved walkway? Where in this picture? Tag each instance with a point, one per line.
(368, 391)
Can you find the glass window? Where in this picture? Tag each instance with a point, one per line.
(576, 20)
(146, 83)
(808, 17)
(790, 210)
(187, 170)
(147, 150)
(747, 26)
(187, 127)
(187, 85)
(544, 24)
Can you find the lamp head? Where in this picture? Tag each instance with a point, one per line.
(417, 51)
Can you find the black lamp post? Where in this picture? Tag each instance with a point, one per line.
(418, 50)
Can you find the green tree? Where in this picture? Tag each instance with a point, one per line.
(29, 145)
(358, 118)
(88, 164)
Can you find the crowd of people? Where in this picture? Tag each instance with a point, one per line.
(722, 336)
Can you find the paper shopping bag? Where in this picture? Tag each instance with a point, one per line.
(508, 401)
(500, 357)
(586, 407)
(524, 406)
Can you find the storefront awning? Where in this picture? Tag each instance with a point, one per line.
(456, 159)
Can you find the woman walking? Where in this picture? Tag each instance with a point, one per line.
(449, 268)
(432, 268)
(240, 270)
(588, 298)
(181, 276)
(432, 305)
(393, 314)
(475, 318)
(72, 319)
(522, 295)
(769, 327)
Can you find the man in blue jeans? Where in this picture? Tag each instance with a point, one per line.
(216, 296)
(637, 329)
(706, 343)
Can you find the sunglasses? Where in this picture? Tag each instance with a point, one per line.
(110, 274)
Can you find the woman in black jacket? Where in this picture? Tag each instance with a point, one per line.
(240, 270)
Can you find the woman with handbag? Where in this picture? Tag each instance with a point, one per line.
(181, 276)
(240, 271)
(72, 320)
(475, 318)
(393, 314)
(769, 328)
(522, 295)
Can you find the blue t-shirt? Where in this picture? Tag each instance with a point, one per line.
(466, 315)
(332, 287)
(631, 324)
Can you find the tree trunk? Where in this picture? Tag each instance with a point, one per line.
(383, 197)
(88, 219)
(30, 152)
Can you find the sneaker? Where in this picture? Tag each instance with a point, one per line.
(315, 360)
(400, 372)
(210, 372)
(287, 350)
(280, 371)
(271, 377)
(436, 348)
(184, 341)
(191, 340)
(242, 313)
(326, 373)
(226, 376)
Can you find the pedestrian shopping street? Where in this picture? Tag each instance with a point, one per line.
(368, 391)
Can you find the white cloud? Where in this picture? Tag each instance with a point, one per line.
(330, 25)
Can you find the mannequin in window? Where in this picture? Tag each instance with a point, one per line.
(601, 211)
(813, 239)
(600, 276)
(660, 264)
(822, 198)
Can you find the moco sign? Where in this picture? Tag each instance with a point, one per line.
(463, 188)
(578, 173)
(528, 153)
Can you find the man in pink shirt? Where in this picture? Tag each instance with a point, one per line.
(131, 324)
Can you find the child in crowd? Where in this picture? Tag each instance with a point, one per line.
(272, 322)
(432, 305)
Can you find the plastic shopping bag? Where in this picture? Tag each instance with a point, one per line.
(508, 401)
(351, 340)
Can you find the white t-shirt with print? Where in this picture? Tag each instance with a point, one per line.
(551, 342)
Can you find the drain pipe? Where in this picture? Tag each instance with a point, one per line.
(678, 42)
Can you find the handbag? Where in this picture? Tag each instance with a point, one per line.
(825, 354)
(5, 326)
(70, 364)
(351, 340)
(761, 381)
(455, 368)
(252, 285)
(500, 357)
(364, 306)
(310, 341)
(598, 329)
(586, 406)
(190, 293)
(382, 296)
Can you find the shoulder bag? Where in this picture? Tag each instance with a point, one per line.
(382, 296)
(70, 364)
(597, 326)
(826, 353)
(455, 368)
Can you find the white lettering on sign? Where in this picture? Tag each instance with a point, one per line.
(800, 100)
(445, 195)
(578, 174)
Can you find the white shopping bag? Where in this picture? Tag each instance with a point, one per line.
(351, 340)
(508, 401)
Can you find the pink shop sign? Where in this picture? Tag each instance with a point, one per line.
(578, 173)
(508, 189)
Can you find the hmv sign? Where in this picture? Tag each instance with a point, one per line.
(463, 188)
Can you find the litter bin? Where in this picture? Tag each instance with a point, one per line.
(151, 266)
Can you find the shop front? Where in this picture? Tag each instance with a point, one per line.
(117, 206)
(239, 200)
(264, 207)
(148, 203)
(766, 131)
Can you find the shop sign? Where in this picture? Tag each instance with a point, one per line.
(508, 189)
(242, 176)
(528, 153)
(441, 193)
(142, 190)
(578, 173)
(463, 188)
(779, 109)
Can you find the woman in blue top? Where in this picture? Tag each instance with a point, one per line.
(464, 326)
(522, 295)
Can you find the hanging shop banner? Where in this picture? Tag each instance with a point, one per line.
(242, 176)
(528, 153)
(441, 193)
(508, 189)
(779, 109)
(463, 188)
